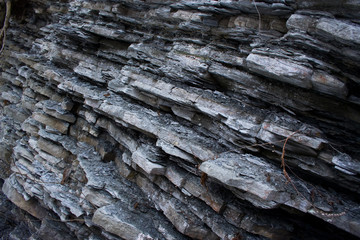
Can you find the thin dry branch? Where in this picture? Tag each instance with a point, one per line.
(288, 178)
(257, 10)
(283, 165)
(5, 25)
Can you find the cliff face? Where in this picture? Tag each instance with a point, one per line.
(159, 119)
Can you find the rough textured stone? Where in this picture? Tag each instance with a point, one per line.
(326, 83)
(339, 30)
(168, 119)
(280, 69)
(54, 109)
(52, 122)
(31, 205)
(119, 221)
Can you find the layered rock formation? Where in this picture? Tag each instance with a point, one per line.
(169, 119)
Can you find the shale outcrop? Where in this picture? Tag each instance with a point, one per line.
(180, 119)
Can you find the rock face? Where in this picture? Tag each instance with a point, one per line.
(180, 119)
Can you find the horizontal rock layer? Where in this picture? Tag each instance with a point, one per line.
(185, 119)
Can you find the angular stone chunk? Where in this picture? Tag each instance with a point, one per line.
(343, 162)
(67, 104)
(97, 198)
(141, 158)
(31, 206)
(177, 212)
(79, 88)
(299, 22)
(97, 6)
(45, 119)
(82, 125)
(105, 31)
(280, 69)
(260, 183)
(53, 149)
(193, 185)
(117, 224)
(63, 194)
(120, 221)
(244, 172)
(49, 158)
(299, 137)
(28, 103)
(118, 134)
(241, 21)
(338, 30)
(326, 83)
(174, 151)
(25, 72)
(90, 117)
(20, 150)
(16, 112)
(175, 176)
(13, 95)
(54, 109)
(90, 71)
(183, 112)
(173, 212)
(217, 107)
(163, 127)
(163, 89)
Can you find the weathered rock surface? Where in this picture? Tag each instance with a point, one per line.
(159, 119)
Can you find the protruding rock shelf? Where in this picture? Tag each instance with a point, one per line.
(170, 119)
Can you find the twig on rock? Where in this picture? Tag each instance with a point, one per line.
(288, 178)
(257, 10)
(5, 25)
